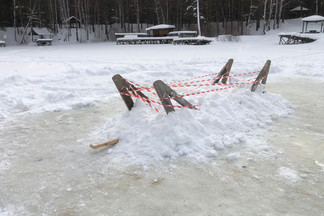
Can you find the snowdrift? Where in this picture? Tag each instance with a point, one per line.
(225, 121)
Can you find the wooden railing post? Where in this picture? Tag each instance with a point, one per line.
(262, 77)
(224, 72)
(124, 88)
(164, 92)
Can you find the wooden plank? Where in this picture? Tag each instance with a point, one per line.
(121, 86)
(104, 144)
(124, 88)
(164, 92)
(262, 77)
(224, 72)
(228, 68)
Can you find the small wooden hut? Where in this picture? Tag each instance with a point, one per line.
(40, 33)
(161, 30)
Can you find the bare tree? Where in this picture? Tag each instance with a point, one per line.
(270, 14)
(275, 18)
(198, 18)
(280, 13)
(137, 12)
(15, 21)
(29, 23)
(265, 16)
(159, 12)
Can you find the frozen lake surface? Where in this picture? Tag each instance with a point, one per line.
(51, 173)
(55, 101)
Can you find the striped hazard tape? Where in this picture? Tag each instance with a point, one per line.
(148, 101)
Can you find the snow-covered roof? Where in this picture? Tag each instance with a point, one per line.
(42, 31)
(183, 32)
(161, 26)
(44, 39)
(126, 38)
(314, 18)
(130, 34)
(195, 38)
(299, 8)
(70, 18)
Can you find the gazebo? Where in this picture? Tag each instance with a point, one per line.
(299, 12)
(312, 19)
(73, 22)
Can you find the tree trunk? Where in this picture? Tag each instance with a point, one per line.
(15, 21)
(77, 17)
(275, 19)
(280, 13)
(198, 19)
(29, 23)
(264, 16)
(270, 14)
(159, 12)
(137, 12)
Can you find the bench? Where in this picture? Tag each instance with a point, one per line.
(294, 39)
(2, 43)
(44, 42)
(313, 32)
(192, 41)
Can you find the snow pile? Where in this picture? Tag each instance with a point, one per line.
(224, 122)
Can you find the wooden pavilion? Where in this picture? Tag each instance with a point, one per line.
(312, 19)
(299, 11)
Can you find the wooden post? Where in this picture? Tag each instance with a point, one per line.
(263, 75)
(124, 88)
(224, 72)
(164, 92)
(121, 85)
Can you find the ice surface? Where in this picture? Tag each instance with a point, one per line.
(289, 174)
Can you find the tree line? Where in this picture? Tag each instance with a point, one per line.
(52, 13)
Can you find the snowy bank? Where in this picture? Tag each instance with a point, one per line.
(225, 122)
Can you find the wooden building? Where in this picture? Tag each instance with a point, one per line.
(40, 33)
(160, 30)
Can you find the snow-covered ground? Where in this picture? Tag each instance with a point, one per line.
(56, 78)
(57, 100)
